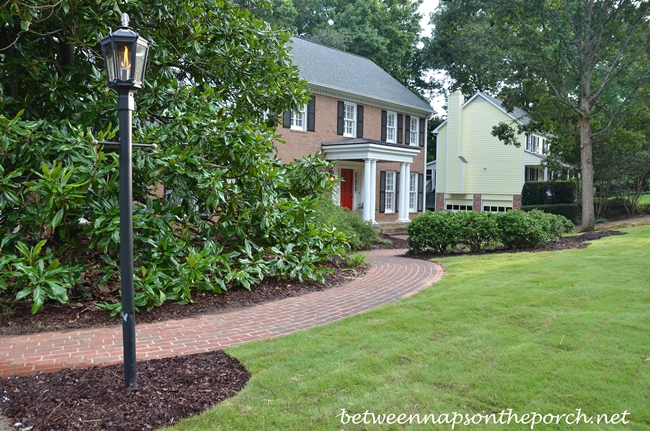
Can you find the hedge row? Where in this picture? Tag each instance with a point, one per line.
(569, 211)
(548, 192)
(445, 232)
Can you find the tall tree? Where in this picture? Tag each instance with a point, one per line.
(579, 63)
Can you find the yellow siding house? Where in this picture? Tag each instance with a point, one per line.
(474, 170)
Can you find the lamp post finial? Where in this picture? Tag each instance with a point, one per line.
(125, 19)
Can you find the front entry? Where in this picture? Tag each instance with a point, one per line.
(347, 187)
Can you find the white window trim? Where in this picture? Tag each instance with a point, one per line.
(393, 128)
(416, 131)
(413, 192)
(295, 115)
(393, 192)
(352, 120)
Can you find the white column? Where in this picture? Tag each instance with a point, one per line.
(403, 210)
(373, 189)
(545, 174)
(367, 190)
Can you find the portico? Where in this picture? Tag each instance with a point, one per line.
(362, 155)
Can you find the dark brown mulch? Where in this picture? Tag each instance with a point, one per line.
(95, 398)
(564, 243)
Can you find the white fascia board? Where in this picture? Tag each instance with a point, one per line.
(435, 131)
(370, 151)
(364, 99)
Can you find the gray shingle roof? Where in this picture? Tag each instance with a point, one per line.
(339, 70)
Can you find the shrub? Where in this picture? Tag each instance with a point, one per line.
(438, 231)
(477, 229)
(548, 193)
(570, 211)
(442, 231)
(360, 234)
(534, 193)
(562, 192)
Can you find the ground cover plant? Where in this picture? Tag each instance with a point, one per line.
(548, 332)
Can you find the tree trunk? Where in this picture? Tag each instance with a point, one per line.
(587, 173)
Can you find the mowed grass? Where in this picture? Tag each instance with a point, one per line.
(545, 332)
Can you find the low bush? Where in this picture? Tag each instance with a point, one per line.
(442, 232)
(477, 229)
(570, 211)
(437, 231)
(360, 234)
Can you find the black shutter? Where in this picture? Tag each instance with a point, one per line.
(396, 187)
(340, 118)
(311, 114)
(400, 119)
(422, 131)
(420, 192)
(287, 119)
(382, 191)
(407, 135)
(383, 125)
(359, 121)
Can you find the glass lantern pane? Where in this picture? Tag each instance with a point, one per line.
(109, 61)
(123, 63)
(140, 60)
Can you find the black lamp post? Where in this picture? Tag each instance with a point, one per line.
(125, 58)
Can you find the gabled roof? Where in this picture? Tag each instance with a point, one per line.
(339, 70)
(517, 114)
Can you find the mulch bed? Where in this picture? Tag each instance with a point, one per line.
(168, 389)
(95, 398)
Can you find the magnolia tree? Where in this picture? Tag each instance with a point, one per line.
(214, 208)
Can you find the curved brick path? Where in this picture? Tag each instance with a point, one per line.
(389, 278)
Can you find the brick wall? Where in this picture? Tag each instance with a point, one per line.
(477, 202)
(440, 201)
(516, 202)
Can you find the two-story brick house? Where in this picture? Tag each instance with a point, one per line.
(366, 121)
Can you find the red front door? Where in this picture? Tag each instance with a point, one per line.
(347, 187)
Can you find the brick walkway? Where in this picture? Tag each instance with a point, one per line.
(389, 279)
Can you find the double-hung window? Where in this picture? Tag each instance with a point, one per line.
(350, 120)
(390, 191)
(413, 192)
(414, 131)
(391, 126)
(299, 118)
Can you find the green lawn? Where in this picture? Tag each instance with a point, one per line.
(533, 332)
(644, 199)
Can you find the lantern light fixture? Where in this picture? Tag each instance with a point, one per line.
(125, 56)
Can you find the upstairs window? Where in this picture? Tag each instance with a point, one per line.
(299, 118)
(350, 120)
(391, 126)
(414, 131)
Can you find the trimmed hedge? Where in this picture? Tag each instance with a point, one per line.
(548, 193)
(444, 232)
(570, 211)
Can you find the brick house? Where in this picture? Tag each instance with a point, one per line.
(366, 121)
